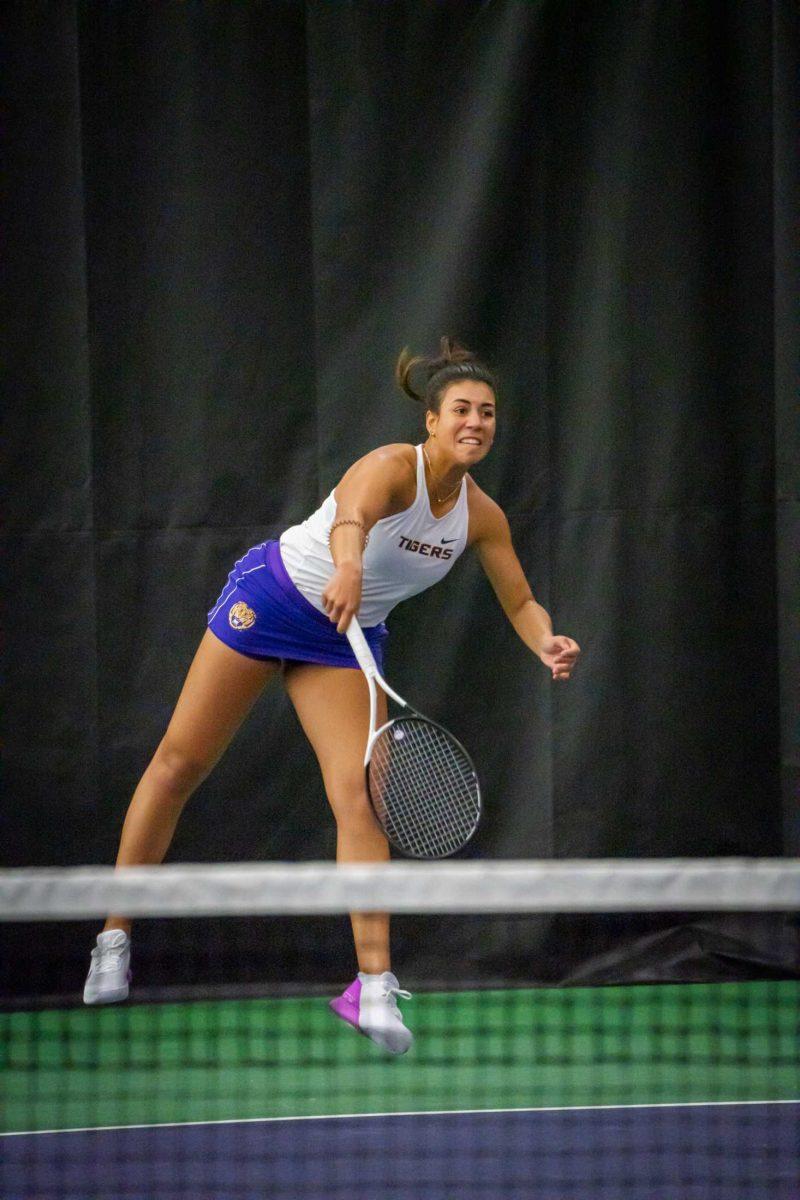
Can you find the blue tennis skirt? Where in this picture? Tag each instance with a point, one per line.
(261, 614)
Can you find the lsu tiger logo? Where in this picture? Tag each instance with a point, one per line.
(241, 617)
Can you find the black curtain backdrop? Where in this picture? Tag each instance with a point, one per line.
(224, 221)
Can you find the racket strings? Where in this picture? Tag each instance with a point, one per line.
(418, 810)
(424, 788)
(422, 768)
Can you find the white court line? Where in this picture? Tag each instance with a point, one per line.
(439, 1112)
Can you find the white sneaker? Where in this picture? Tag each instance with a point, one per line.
(370, 1004)
(109, 975)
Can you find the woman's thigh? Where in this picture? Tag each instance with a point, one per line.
(332, 704)
(220, 689)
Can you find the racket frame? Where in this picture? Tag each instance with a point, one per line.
(366, 661)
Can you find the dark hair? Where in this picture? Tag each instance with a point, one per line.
(453, 363)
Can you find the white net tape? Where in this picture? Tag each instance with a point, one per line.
(597, 885)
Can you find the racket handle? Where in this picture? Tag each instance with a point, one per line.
(361, 649)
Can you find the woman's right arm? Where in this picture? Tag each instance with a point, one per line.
(376, 486)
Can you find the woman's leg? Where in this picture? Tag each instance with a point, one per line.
(220, 689)
(333, 706)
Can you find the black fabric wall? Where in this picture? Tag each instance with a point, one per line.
(224, 222)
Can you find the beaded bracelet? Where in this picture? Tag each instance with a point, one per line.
(349, 521)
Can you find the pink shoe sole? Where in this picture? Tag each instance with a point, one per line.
(346, 1006)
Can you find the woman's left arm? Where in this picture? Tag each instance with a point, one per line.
(491, 537)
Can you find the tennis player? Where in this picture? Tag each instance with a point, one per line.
(395, 525)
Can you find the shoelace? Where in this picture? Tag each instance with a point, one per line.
(391, 994)
(110, 959)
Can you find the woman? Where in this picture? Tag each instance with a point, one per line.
(394, 525)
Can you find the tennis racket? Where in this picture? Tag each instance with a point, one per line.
(421, 781)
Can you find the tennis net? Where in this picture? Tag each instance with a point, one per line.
(564, 1050)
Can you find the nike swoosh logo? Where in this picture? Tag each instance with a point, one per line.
(446, 541)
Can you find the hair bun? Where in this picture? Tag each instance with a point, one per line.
(451, 354)
(452, 357)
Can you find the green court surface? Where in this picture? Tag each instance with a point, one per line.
(240, 1059)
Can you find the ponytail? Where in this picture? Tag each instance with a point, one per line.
(454, 362)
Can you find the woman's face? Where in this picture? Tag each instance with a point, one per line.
(465, 423)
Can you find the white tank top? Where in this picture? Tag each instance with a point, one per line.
(407, 552)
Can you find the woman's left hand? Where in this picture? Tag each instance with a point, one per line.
(560, 654)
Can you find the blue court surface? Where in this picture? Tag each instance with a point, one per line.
(682, 1152)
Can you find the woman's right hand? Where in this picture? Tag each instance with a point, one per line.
(342, 595)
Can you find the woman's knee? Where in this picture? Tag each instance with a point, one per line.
(348, 799)
(177, 771)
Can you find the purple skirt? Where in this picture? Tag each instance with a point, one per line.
(261, 614)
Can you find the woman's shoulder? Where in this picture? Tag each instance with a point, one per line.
(398, 465)
(398, 459)
(485, 514)
(390, 470)
(479, 499)
(399, 453)
(395, 454)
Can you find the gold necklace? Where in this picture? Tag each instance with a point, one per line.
(439, 499)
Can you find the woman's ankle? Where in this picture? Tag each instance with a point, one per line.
(118, 923)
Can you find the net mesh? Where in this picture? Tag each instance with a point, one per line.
(424, 788)
(637, 1092)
